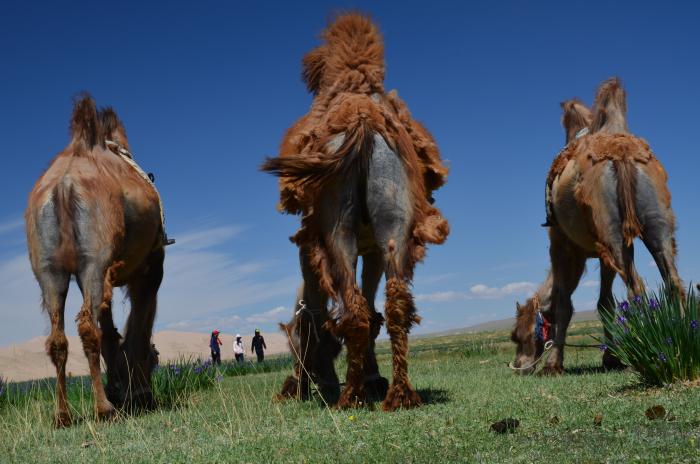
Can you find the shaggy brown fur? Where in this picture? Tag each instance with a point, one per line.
(610, 108)
(575, 116)
(78, 219)
(346, 76)
(588, 225)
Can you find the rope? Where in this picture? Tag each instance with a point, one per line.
(126, 155)
(575, 345)
(547, 346)
(312, 313)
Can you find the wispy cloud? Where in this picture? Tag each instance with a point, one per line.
(11, 225)
(271, 316)
(479, 292)
(204, 286)
(590, 283)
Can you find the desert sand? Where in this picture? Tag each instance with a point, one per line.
(28, 360)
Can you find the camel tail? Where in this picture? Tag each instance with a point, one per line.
(610, 108)
(319, 168)
(626, 194)
(84, 124)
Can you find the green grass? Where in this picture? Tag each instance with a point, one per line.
(466, 384)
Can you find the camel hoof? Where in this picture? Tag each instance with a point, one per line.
(351, 398)
(62, 420)
(401, 396)
(290, 390)
(612, 363)
(550, 371)
(377, 388)
(106, 411)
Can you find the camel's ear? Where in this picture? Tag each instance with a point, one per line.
(518, 308)
(312, 68)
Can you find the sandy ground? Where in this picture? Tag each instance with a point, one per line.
(28, 360)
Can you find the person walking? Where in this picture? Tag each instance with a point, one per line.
(258, 346)
(238, 348)
(215, 345)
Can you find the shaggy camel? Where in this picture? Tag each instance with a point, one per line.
(603, 190)
(94, 216)
(361, 171)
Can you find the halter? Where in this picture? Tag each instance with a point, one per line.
(542, 328)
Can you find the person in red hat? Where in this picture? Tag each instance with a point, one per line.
(215, 345)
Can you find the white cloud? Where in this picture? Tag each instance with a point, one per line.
(484, 292)
(479, 292)
(590, 283)
(11, 225)
(274, 315)
(442, 297)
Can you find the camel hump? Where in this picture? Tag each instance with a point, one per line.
(84, 125)
(610, 108)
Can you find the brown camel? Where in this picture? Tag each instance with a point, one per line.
(361, 172)
(94, 216)
(603, 190)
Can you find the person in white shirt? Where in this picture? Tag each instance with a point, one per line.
(238, 348)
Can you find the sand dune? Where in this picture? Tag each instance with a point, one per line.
(28, 360)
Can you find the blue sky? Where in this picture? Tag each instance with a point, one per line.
(206, 90)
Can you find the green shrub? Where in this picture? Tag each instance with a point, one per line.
(657, 335)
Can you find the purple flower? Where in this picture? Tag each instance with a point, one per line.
(637, 299)
(662, 357)
(624, 306)
(603, 347)
(621, 320)
(694, 324)
(653, 303)
(197, 370)
(669, 341)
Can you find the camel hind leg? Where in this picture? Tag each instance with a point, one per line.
(658, 230)
(372, 271)
(390, 209)
(54, 289)
(340, 214)
(43, 238)
(91, 281)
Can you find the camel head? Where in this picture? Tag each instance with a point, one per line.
(575, 117)
(528, 346)
(129, 377)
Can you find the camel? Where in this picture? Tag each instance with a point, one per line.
(604, 189)
(94, 216)
(361, 172)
